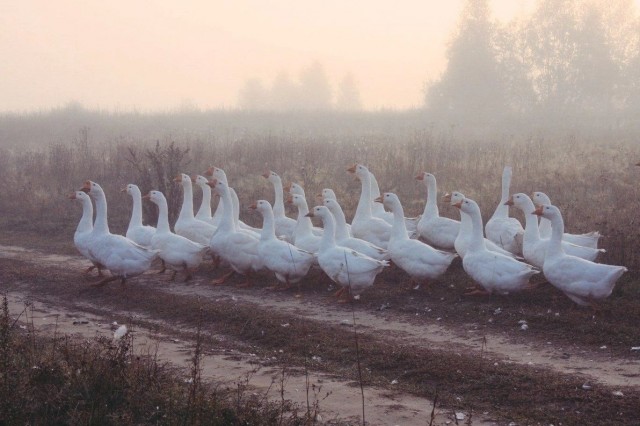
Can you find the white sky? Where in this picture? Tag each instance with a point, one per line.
(151, 55)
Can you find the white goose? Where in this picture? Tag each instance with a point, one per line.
(284, 226)
(495, 272)
(354, 271)
(238, 248)
(121, 256)
(219, 174)
(294, 189)
(505, 231)
(421, 261)
(464, 235)
(582, 281)
(329, 194)
(438, 231)
(137, 232)
(377, 210)
(364, 225)
(534, 247)
(204, 211)
(343, 237)
(289, 263)
(187, 225)
(303, 236)
(177, 252)
(589, 239)
(82, 236)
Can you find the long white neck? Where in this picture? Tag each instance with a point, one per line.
(476, 241)
(205, 206)
(86, 221)
(545, 227)
(235, 203)
(502, 211)
(378, 208)
(431, 208)
(363, 211)
(328, 237)
(163, 216)
(136, 213)
(304, 226)
(268, 225)
(341, 230)
(227, 220)
(186, 212)
(101, 224)
(398, 229)
(278, 205)
(554, 247)
(531, 231)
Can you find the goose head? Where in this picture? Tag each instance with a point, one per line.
(328, 194)
(332, 205)
(468, 206)
(427, 178)
(547, 211)
(200, 180)
(218, 186)
(453, 198)
(540, 198)
(261, 206)
(294, 188)
(155, 197)
(389, 200)
(216, 173)
(297, 200)
(92, 188)
(131, 189)
(272, 176)
(319, 211)
(359, 170)
(183, 178)
(520, 201)
(78, 196)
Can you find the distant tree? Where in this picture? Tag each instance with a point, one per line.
(284, 94)
(315, 90)
(253, 95)
(471, 87)
(348, 95)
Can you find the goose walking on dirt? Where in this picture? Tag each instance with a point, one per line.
(495, 272)
(177, 252)
(582, 281)
(352, 270)
(421, 261)
(441, 232)
(284, 225)
(121, 256)
(137, 232)
(82, 237)
(289, 263)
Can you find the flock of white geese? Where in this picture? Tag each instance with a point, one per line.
(351, 255)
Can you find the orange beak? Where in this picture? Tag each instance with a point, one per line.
(72, 196)
(124, 189)
(209, 171)
(289, 199)
(319, 196)
(446, 198)
(310, 214)
(86, 187)
(538, 211)
(458, 204)
(266, 175)
(420, 176)
(509, 202)
(287, 187)
(193, 179)
(212, 183)
(253, 206)
(378, 200)
(178, 178)
(352, 169)
(146, 197)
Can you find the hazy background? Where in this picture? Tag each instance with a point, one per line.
(164, 54)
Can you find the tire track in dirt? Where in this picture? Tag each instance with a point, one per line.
(593, 366)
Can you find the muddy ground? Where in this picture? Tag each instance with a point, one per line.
(531, 358)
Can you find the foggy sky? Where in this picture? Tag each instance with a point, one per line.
(161, 54)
